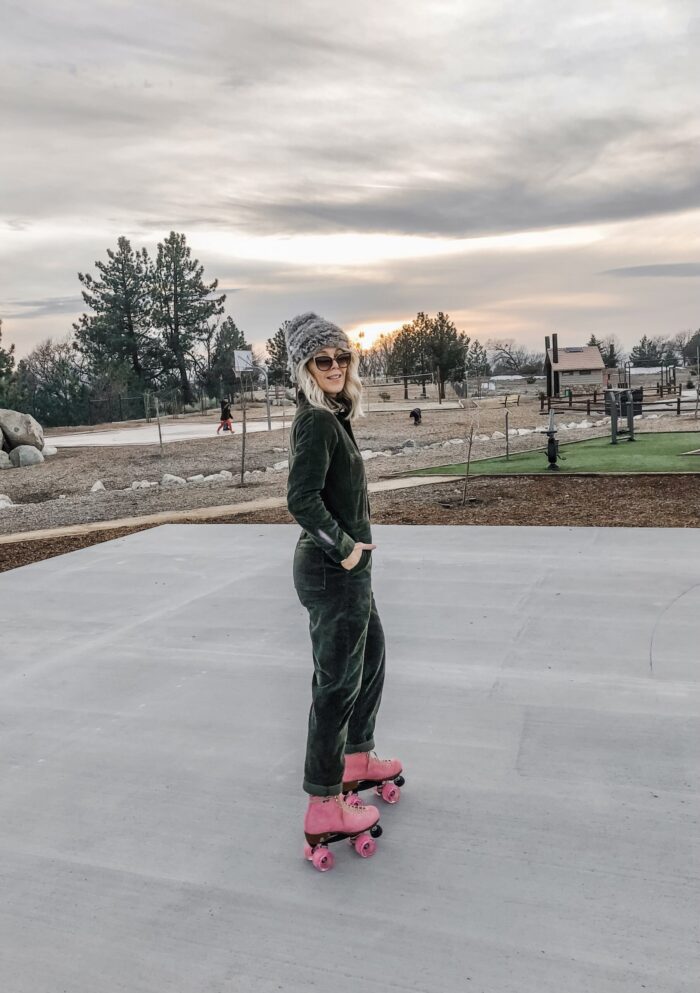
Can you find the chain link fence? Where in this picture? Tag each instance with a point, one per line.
(142, 406)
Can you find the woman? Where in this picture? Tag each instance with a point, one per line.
(327, 496)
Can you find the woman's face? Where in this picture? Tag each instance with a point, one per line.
(333, 380)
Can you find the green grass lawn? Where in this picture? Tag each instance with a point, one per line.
(653, 452)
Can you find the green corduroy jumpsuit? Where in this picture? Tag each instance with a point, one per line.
(327, 496)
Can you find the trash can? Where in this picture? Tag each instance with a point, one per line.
(637, 400)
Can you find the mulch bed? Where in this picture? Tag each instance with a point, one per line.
(619, 501)
(24, 552)
(574, 501)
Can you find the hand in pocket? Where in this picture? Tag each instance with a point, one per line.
(355, 555)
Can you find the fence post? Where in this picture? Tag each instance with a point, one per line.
(613, 417)
(160, 433)
(678, 404)
(588, 407)
(630, 415)
(571, 398)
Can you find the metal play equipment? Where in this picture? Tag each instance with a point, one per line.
(552, 445)
(619, 403)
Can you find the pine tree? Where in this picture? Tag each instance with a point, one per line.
(446, 346)
(277, 357)
(117, 336)
(403, 358)
(650, 352)
(478, 361)
(613, 356)
(182, 305)
(229, 339)
(7, 372)
(429, 344)
(690, 348)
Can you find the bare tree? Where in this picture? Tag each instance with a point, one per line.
(507, 358)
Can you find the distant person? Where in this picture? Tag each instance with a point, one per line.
(416, 415)
(226, 421)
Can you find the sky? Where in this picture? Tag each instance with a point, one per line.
(527, 167)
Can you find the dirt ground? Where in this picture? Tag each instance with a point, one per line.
(612, 501)
(664, 501)
(57, 492)
(644, 501)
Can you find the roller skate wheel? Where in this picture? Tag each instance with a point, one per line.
(365, 845)
(308, 852)
(322, 859)
(390, 793)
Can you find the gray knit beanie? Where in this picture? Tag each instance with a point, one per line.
(306, 334)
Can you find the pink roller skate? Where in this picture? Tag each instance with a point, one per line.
(330, 819)
(364, 771)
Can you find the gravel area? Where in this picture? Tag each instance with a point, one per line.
(57, 493)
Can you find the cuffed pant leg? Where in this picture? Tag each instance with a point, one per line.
(338, 622)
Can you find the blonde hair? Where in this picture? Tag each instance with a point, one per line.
(351, 392)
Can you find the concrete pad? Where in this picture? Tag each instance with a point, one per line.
(542, 691)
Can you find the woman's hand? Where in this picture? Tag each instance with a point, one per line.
(355, 555)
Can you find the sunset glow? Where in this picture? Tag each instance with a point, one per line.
(365, 335)
(423, 165)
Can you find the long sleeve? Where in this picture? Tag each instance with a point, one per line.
(313, 442)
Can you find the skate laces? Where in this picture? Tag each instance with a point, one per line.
(355, 808)
(381, 761)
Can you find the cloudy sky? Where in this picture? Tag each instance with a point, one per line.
(527, 166)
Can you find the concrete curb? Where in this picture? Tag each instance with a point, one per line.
(198, 513)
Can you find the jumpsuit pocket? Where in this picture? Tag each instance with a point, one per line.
(309, 568)
(364, 556)
(362, 565)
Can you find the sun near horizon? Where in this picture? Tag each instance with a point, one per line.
(365, 335)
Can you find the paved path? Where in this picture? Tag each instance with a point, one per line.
(542, 692)
(183, 430)
(147, 434)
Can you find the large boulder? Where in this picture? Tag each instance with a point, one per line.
(25, 455)
(21, 429)
(5, 461)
